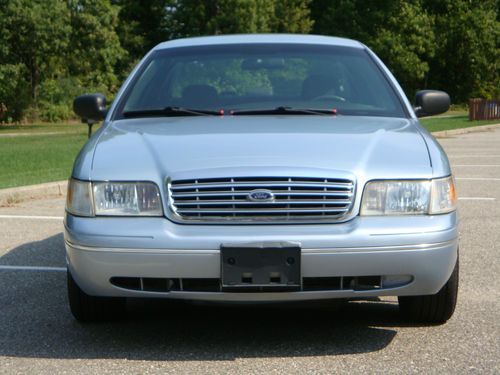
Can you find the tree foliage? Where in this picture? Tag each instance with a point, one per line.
(467, 59)
(53, 50)
(400, 32)
(34, 34)
(141, 26)
(56, 49)
(446, 44)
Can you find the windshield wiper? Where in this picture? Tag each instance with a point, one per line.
(285, 111)
(171, 112)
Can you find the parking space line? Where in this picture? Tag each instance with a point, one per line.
(31, 217)
(477, 178)
(32, 268)
(476, 199)
(474, 156)
(475, 165)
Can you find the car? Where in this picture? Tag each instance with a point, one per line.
(261, 168)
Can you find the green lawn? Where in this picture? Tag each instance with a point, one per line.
(75, 127)
(440, 123)
(28, 160)
(33, 159)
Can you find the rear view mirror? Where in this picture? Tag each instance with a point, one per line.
(431, 102)
(91, 108)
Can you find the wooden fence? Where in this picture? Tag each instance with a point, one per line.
(482, 109)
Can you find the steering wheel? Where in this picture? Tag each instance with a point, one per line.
(328, 97)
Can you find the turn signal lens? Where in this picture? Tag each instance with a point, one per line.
(79, 198)
(444, 196)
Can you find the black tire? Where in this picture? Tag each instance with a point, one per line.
(87, 308)
(436, 308)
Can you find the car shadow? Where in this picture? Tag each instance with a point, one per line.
(35, 321)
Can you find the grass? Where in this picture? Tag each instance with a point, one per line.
(38, 158)
(452, 121)
(74, 127)
(28, 160)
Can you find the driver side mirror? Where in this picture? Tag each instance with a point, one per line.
(90, 107)
(431, 102)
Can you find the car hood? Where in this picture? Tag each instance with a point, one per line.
(153, 149)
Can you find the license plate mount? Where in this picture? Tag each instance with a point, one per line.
(262, 267)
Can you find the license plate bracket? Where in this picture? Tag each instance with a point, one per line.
(261, 267)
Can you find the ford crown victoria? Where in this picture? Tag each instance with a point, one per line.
(261, 168)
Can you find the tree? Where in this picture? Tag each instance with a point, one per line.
(212, 17)
(35, 34)
(95, 46)
(55, 48)
(399, 31)
(292, 16)
(468, 48)
(141, 26)
(14, 91)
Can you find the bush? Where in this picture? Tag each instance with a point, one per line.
(55, 99)
(14, 92)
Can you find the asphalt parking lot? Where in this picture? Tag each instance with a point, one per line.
(39, 335)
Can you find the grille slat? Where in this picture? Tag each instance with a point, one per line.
(247, 203)
(269, 184)
(291, 199)
(277, 193)
(271, 210)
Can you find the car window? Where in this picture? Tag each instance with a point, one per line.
(245, 77)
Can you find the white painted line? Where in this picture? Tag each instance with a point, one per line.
(475, 165)
(31, 217)
(474, 156)
(477, 178)
(32, 268)
(476, 199)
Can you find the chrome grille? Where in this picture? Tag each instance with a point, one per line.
(293, 199)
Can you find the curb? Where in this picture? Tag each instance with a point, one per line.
(58, 188)
(18, 194)
(475, 129)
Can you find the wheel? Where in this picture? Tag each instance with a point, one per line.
(436, 308)
(87, 308)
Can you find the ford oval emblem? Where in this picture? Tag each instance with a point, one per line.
(261, 195)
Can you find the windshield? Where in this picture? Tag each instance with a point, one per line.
(259, 77)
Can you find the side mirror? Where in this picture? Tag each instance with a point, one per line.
(91, 108)
(431, 102)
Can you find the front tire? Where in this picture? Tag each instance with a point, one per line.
(87, 308)
(436, 308)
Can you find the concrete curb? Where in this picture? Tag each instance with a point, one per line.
(58, 188)
(475, 129)
(18, 194)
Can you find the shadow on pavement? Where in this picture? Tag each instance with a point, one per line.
(35, 322)
(47, 253)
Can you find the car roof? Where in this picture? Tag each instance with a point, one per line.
(260, 38)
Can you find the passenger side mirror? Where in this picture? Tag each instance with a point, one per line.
(431, 102)
(91, 108)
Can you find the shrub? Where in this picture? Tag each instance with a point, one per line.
(14, 92)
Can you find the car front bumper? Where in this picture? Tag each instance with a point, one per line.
(420, 248)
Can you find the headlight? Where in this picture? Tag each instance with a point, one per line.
(79, 198)
(113, 199)
(410, 197)
(127, 199)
